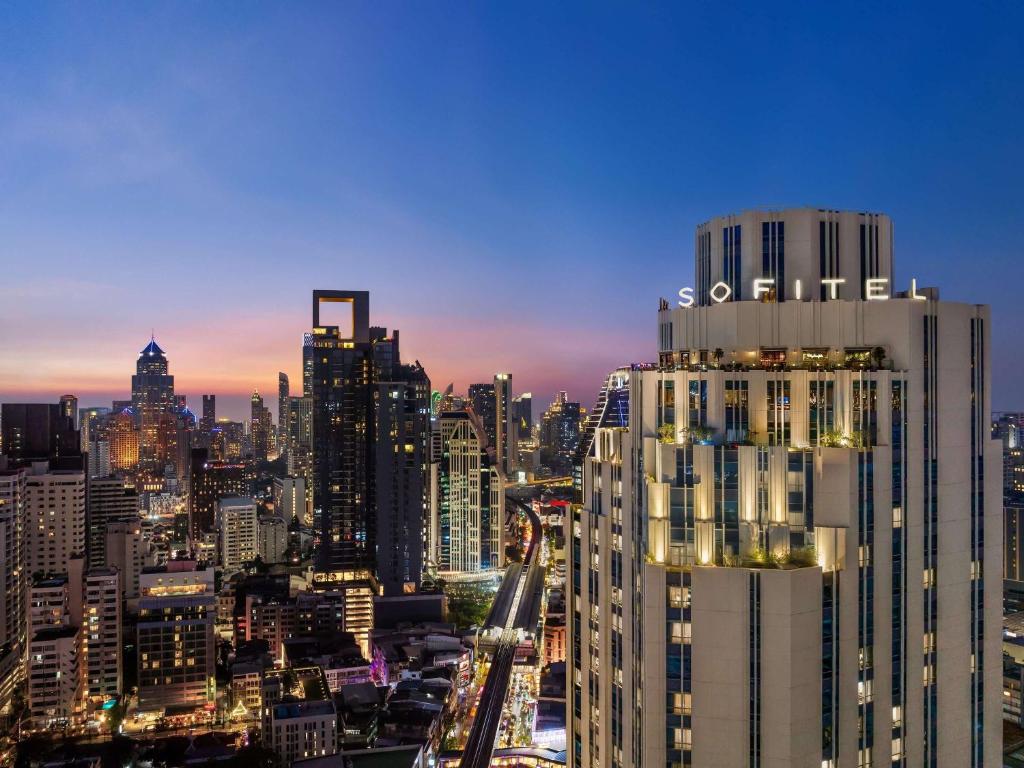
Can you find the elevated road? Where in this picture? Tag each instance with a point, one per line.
(516, 612)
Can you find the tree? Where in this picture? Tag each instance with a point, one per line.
(718, 354)
(878, 356)
(667, 433)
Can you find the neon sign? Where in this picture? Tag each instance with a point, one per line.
(875, 289)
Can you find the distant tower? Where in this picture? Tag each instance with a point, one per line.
(282, 412)
(504, 446)
(69, 408)
(209, 418)
(258, 428)
(152, 396)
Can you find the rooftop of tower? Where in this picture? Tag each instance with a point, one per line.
(152, 349)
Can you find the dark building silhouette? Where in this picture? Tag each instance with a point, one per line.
(370, 426)
(40, 431)
(212, 481)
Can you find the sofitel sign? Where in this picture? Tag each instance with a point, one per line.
(875, 289)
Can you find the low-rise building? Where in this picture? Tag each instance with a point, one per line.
(299, 717)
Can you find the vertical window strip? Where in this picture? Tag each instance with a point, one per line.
(930, 692)
(754, 668)
(978, 430)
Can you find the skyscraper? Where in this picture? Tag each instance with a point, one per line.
(370, 429)
(482, 400)
(212, 481)
(470, 497)
(522, 414)
(259, 427)
(69, 409)
(504, 423)
(87, 417)
(783, 558)
(402, 416)
(39, 432)
(123, 439)
(101, 633)
(343, 433)
(282, 412)
(560, 434)
(300, 445)
(54, 518)
(152, 396)
(13, 572)
(209, 418)
(109, 499)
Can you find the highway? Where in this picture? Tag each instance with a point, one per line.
(514, 609)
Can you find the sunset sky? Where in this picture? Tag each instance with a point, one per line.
(515, 186)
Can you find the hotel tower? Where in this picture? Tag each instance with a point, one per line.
(782, 551)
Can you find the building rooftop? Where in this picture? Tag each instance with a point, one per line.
(303, 708)
(152, 349)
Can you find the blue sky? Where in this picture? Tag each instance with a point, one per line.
(516, 185)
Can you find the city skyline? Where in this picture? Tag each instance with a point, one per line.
(188, 170)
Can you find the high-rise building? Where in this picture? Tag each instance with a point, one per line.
(177, 662)
(560, 434)
(783, 558)
(13, 573)
(69, 409)
(368, 483)
(470, 497)
(289, 498)
(152, 396)
(610, 411)
(212, 481)
(129, 551)
(227, 441)
(109, 499)
(308, 359)
(282, 412)
(482, 401)
(55, 666)
(370, 430)
(300, 446)
(39, 432)
(55, 515)
(101, 633)
(273, 539)
(259, 428)
(504, 423)
(123, 437)
(238, 531)
(87, 417)
(522, 416)
(343, 433)
(1008, 428)
(99, 458)
(402, 416)
(209, 417)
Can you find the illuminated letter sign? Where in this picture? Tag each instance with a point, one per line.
(833, 284)
(874, 288)
(716, 294)
(762, 285)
